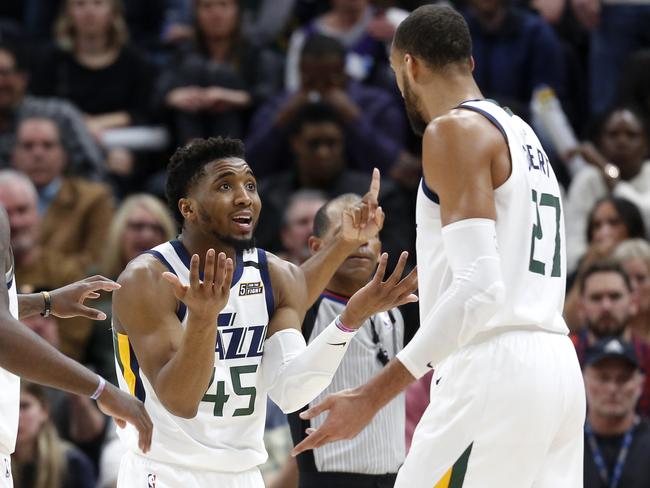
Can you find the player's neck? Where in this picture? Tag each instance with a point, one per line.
(199, 243)
(445, 93)
(608, 425)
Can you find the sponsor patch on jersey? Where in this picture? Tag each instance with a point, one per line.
(254, 288)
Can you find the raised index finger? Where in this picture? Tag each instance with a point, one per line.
(373, 192)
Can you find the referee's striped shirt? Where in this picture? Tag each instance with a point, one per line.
(379, 448)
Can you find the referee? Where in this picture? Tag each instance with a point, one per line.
(372, 458)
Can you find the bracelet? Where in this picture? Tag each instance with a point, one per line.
(47, 307)
(100, 388)
(342, 327)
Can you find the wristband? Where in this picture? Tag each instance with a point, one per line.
(342, 327)
(100, 388)
(47, 306)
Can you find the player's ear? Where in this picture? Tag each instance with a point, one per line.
(472, 64)
(186, 208)
(314, 243)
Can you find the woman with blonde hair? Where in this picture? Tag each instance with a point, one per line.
(634, 256)
(141, 222)
(42, 459)
(93, 66)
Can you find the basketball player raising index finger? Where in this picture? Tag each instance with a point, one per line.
(507, 404)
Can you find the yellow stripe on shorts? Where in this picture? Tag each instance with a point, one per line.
(125, 358)
(455, 476)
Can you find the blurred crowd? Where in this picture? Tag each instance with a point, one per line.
(96, 94)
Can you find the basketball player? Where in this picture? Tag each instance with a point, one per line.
(203, 350)
(24, 354)
(507, 401)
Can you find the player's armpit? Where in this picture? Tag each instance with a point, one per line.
(464, 159)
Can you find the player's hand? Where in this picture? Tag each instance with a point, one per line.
(378, 295)
(68, 301)
(207, 297)
(126, 408)
(363, 221)
(349, 412)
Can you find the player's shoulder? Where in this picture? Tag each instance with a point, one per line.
(281, 270)
(463, 127)
(144, 269)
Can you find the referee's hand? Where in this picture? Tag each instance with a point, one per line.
(349, 412)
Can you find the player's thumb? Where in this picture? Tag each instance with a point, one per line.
(121, 423)
(90, 313)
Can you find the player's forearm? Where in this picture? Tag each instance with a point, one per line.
(30, 304)
(25, 354)
(385, 386)
(182, 382)
(319, 269)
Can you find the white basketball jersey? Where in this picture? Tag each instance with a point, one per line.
(227, 433)
(9, 383)
(530, 234)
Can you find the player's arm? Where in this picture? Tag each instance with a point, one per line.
(177, 362)
(296, 373)
(358, 225)
(464, 177)
(25, 354)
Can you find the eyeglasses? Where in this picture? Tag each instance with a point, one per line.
(141, 226)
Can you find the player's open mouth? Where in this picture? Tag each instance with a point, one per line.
(243, 221)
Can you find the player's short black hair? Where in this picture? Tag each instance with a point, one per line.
(627, 211)
(321, 46)
(321, 219)
(604, 266)
(187, 165)
(314, 113)
(437, 34)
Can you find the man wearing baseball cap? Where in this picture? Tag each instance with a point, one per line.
(617, 440)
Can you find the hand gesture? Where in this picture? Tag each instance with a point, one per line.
(208, 297)
(363, 221)
(349, 412)
(68, 301)
(126, 408)
(378, 295)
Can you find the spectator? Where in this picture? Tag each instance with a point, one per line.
(320, 164)
(611, 221)
(375, 126)
(634, 86)
(298, 224)
(353, 23)
(617, 441)
(76, 213)
(373, 457)
(39, 266)
(634, 256)
(516, 42)
(606, 306)
(619, 168)
(41, 458)
(215, 81)
(85, 156)
(617, 30)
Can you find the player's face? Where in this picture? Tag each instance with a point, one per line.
(639, 272)
(412, 103)
(613, 387)
(606, 303)
(624, 143)
(228, 205)
(142, 231)
(38, 152)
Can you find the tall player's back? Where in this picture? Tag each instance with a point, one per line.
(530, 235)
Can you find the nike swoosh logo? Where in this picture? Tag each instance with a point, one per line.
(429, 365)
(337, 344)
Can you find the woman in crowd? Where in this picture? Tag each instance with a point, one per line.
(215, 80)
(42, 459)
(634, 256)
(611, 221)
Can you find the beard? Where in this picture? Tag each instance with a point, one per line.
(238, 244)
(610, 330)
(417, 122)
